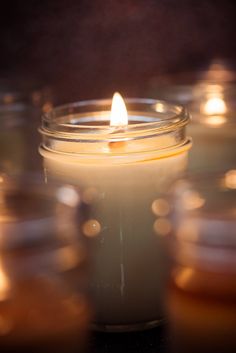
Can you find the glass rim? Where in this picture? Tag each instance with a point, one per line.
(158, 117)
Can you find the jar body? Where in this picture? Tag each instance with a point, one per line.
(129, 264)
(129, 268)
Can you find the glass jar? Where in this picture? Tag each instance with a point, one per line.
(202, 290)
(210, 97)
(21, 105)
(121, 171)
(44, 303)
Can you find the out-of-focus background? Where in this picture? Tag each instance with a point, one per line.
(88, 49)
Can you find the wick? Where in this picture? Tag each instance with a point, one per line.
(116, 145)
(113, 145)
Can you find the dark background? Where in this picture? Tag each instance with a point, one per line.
(88, 49)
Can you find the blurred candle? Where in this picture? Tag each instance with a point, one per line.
(41, 307)
(213, 131)
(122, 166)
(209, 96)
(202, 292)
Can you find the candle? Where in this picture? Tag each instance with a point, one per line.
(122, 167)
(201, 295)
(41, 307)
(213, 129)
(209, 96)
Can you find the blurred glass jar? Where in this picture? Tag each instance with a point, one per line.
(21, 106)
(202, 292)
(43, 280)
(210, 96)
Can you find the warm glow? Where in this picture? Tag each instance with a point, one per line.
(192, 200)
(215, 106)
(230, 179)
(4, 285)
(119, 115)
(91, 228)
(184, 277)
(160, 207)
(188, 231)
(162, 226)
(67, 195)
(215, 120)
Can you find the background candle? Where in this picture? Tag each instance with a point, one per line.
(201, 296)
(21, 105)
(209, 96)
(42, 307)
(121, 173)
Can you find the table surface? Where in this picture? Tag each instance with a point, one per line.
(151, 341)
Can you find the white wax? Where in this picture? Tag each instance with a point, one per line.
(130, 265)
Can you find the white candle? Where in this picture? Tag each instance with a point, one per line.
(122, 170)
(213, 131)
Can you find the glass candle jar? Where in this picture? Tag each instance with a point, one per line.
(21, 105)
(121, 171)
(213, 128)
(210, 97)
(43, 279)
(202, 291)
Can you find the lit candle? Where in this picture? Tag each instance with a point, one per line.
(201, 299)
(212, 129)
(122, 166)
(41, 308)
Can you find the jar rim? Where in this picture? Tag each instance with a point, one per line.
(86, 119)
(82, 130)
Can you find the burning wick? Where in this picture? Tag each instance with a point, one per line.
(118, 119)
(119, 115)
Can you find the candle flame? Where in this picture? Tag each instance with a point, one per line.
(215, 106)
(119, 115)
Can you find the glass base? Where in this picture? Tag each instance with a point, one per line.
(140, 326)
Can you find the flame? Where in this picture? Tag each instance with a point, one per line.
(119, 115)
(215, 106)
